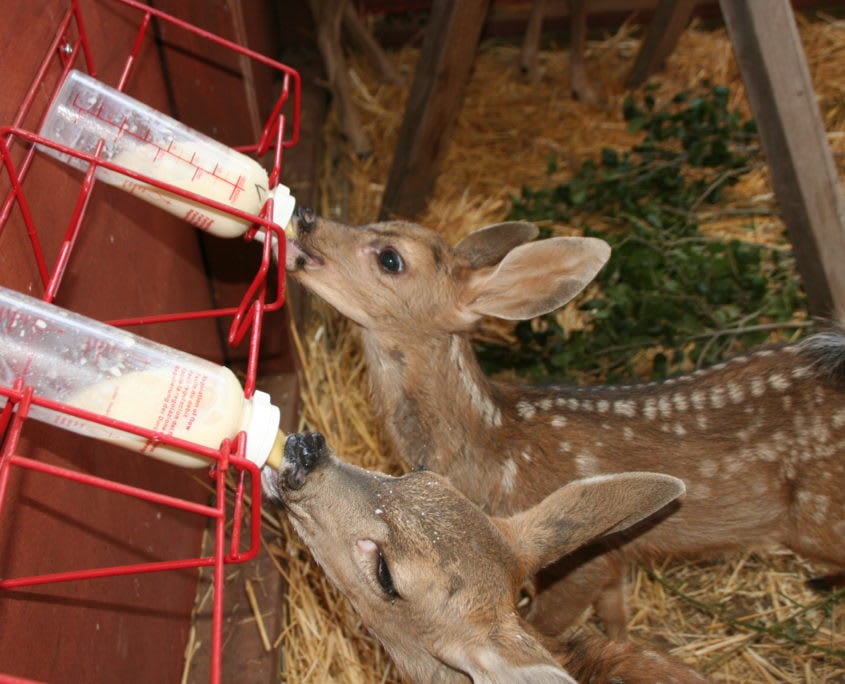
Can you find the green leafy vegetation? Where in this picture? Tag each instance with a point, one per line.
(667, 285)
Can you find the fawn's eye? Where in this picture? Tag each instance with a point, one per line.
(384, 577)
(390, 260)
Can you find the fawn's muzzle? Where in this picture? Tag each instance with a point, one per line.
(307, 219)
(303, 452)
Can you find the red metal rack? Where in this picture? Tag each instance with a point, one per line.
(70, 46)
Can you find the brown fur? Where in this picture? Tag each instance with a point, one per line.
(759, 440)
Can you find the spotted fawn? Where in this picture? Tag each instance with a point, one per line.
(759, 440)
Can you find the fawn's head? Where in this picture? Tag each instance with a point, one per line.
(398, 274)
(432, 576)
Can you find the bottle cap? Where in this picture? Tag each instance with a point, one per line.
(283, 205)
(262, 428)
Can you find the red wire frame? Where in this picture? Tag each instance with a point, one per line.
(280, 132)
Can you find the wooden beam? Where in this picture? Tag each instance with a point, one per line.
(442, 73)
(774, 69)
(670, 19)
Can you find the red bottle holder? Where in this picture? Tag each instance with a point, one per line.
(70, 46)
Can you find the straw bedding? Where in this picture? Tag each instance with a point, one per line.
(741, 618)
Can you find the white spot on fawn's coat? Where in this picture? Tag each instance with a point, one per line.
(525, 410)
(509, 471)
(779, 382)
(625, 407)
(586, 463)
(736, 393)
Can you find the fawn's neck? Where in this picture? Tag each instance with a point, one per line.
(433, 398)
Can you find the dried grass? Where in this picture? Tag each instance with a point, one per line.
(742, 618)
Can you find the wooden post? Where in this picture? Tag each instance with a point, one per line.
(442, 73)
(669, 21)
(774, 69)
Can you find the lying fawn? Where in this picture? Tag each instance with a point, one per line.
(759, 440)
(436, 580)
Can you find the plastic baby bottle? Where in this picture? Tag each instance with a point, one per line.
(89, 365)
(142, 139)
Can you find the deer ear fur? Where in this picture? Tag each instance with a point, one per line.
(524, 674)
(585, 510)
(534, 278)
(488, 246)
(513, 657)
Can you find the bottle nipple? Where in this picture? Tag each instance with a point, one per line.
(276, 456)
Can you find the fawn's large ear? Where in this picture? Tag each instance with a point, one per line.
(585, 510)
(488, 246)
(508, 655)
(508, 673)
(534, 278)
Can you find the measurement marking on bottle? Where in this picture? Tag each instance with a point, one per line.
(122, 130)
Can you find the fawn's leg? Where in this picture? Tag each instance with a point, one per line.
(611, 607)
(359, 33)
(531, 40)
(328, 15)
(818, 513)
(566, 589)
(579, 82)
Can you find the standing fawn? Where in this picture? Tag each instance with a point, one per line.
(759, 441)
(579, 82)
(330, 16)
(436, 580)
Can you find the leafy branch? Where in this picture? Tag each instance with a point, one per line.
(693, 297)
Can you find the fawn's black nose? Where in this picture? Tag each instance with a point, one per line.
(307, 219)
(303, 452)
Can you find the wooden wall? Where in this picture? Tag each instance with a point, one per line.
(131, 259)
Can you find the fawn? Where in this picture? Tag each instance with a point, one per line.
(758, 441)
(436, 580)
